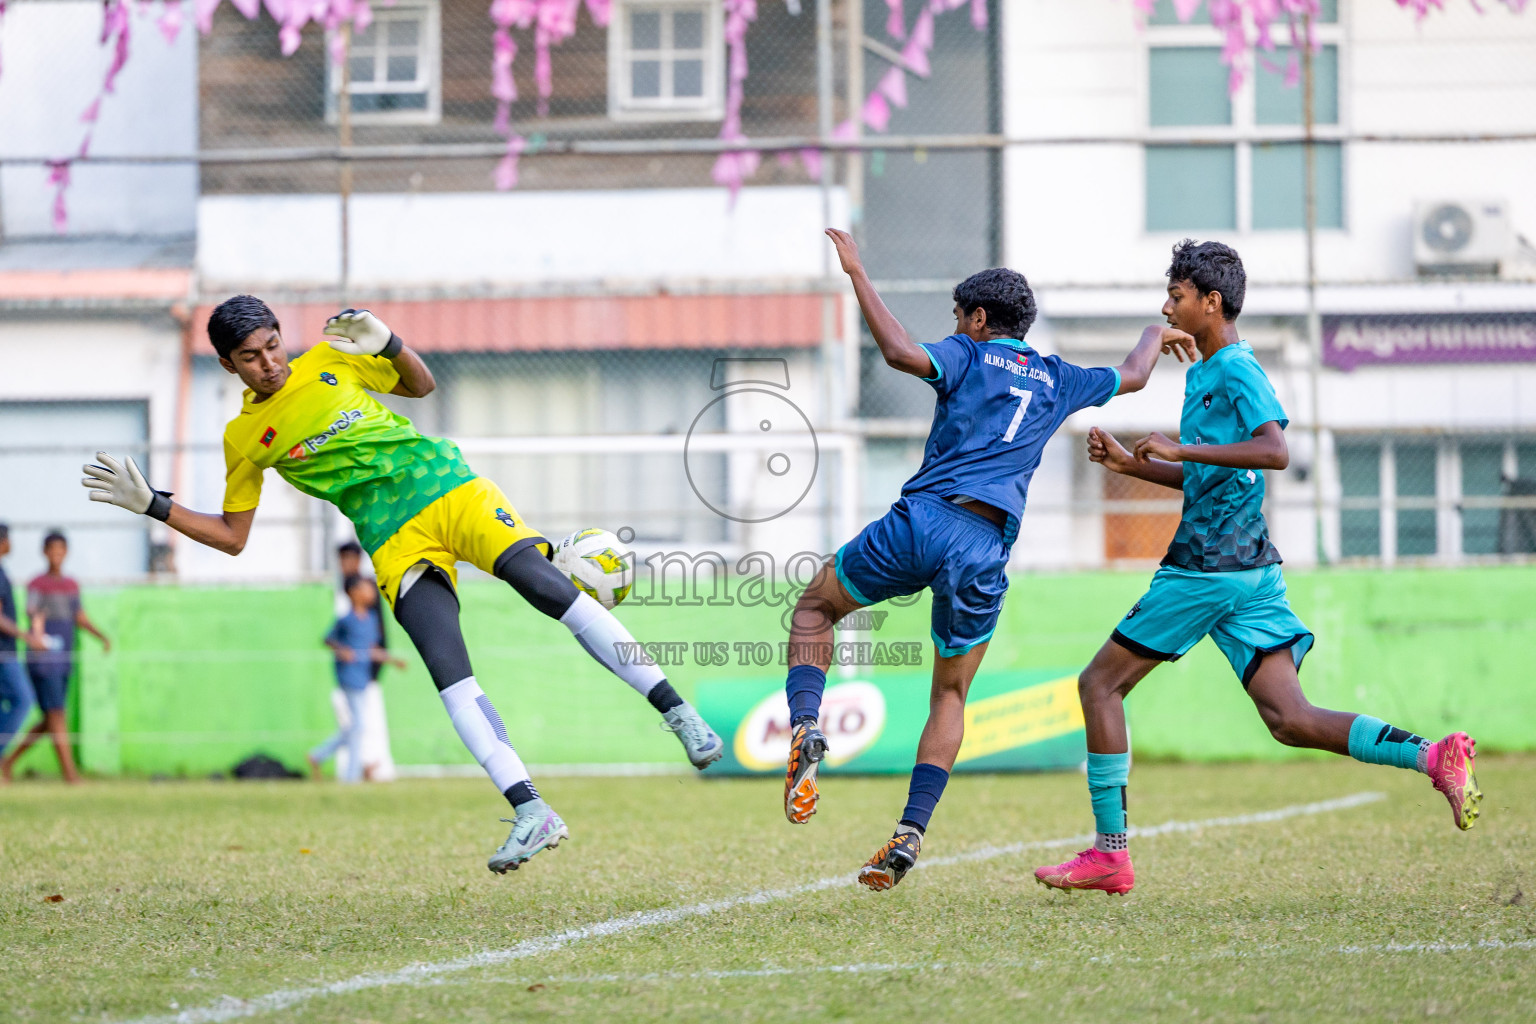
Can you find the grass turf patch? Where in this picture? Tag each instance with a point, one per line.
(176, 895)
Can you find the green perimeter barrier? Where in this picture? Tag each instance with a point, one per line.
(200, 677)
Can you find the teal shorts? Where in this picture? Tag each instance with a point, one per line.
(1245, 612)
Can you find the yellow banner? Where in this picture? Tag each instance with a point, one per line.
(1021, 717)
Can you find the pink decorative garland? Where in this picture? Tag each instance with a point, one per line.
(1233, 17)
(554, 21)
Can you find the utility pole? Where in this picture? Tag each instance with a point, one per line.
(1314, 318)
(344, 131)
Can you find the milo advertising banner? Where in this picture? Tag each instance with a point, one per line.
(1014, 721)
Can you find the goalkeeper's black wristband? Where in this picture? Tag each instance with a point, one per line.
(159, 506)
(392, 349)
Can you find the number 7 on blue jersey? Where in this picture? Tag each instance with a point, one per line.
(1018, 414)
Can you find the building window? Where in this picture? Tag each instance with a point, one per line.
(665, 60)
(1447, 498)
(393, 68)
(1217, 171)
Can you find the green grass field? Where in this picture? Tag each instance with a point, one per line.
(224, 901)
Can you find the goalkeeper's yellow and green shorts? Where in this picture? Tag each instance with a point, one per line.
(472, 523)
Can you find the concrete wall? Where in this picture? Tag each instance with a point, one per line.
(1076, 213)
(518, 238)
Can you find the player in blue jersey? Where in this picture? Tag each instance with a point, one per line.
(1221, 577)
(999, 402)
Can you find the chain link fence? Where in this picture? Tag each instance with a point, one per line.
(576, 323)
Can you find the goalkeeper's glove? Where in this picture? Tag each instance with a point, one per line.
(361, 333)
(123, 485)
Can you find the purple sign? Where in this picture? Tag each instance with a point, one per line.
(1351, 341)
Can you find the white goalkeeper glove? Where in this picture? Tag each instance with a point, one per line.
(122, 484)
(362, 334)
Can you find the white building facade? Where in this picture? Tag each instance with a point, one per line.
(578, 323)
(1419, 458)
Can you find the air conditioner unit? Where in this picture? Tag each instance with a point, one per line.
(1460, 236)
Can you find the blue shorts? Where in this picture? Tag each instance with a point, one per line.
(50, 681)
(925, 541)
(1245, 612)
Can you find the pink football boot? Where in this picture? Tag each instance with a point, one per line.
(1091, 869)
(1451, 764)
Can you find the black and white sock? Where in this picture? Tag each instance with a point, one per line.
(480, 726)
(1112, 843)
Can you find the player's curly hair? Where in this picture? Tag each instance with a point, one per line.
(1211, 267)
(234, 319)
(1006, 297)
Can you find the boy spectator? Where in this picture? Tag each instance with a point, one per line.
(378, 761)
(15, 692)
(53, 607)
(355, 640)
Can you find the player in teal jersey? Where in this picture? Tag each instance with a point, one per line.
(1221, 577)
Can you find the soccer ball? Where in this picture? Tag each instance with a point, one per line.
(592, 560)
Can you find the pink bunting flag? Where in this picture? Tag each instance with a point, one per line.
(202, 11)
(979, 15)
(922, 32)
(600, 11)
(169, 22)
(58, 177)
(915, 54)
(734, 168)
(503, 53)
(114, 29)
(893, 86)
(506, 168)
(895, 20)
(811, 160)
(876, 112)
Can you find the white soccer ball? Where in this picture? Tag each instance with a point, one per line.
(592, 559)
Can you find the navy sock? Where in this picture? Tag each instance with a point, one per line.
(927, 786)
(804, 688)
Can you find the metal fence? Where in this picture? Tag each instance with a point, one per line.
(629, 434)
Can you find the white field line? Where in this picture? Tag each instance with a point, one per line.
(1389, 948)
(231, 1008)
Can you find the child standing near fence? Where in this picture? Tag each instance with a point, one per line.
(54, 612)
(356, 640)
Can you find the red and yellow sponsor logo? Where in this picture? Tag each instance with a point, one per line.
(852, 716)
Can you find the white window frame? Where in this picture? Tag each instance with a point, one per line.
(1448, 502)
(1244, 129)
(623, 106)
(428, 66)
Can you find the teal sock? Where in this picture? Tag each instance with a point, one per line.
(1375, 742)
(1107, 776)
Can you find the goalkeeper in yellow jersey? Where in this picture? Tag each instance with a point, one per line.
(418, 509)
